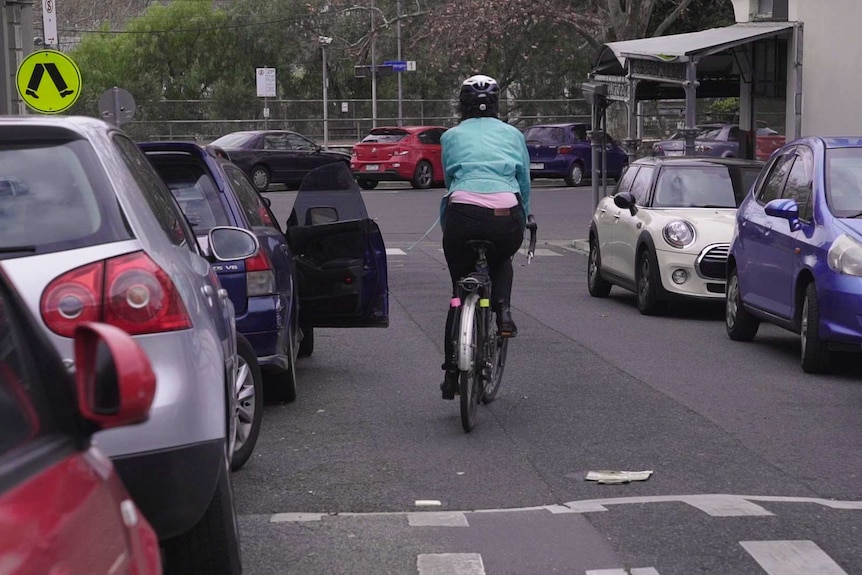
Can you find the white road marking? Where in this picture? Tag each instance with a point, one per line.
(437, 519)
(792, 558)
(427, 503)
(635, 571)
(395, 252)
(716, 505)
(544, 252)
(295, 517)
(450, 564)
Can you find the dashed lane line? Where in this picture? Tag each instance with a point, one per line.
(635, 571)
(450, 564)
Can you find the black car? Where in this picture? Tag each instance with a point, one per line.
(276, 156)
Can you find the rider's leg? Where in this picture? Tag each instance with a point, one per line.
(460, 261)
(450, 380)
(502, 274)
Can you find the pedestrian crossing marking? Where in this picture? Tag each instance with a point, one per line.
(395, 252)
(437, 519)
(450, 564)
(635, 571)
(792, 558)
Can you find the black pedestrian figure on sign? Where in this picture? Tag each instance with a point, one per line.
(36, 78)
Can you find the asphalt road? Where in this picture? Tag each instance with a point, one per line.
(755, 464)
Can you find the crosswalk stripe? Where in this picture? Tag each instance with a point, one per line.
(635, 571)
(395, 252)
(792, 558)
(450, 564)
(437, 519)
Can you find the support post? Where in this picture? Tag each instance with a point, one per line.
(398, 37)
(690, 88)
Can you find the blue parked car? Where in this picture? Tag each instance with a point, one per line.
(322, 276)
(796, 254)
(564, 151)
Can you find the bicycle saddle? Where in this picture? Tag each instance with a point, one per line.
(475, 244)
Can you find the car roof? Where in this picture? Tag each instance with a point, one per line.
(842, 141)
(411, 129)
(695, 161)
(560, 125)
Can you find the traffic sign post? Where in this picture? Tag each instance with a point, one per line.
(266, 88)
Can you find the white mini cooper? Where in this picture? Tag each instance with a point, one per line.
(666, 230)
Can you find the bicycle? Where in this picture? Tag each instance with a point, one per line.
(480, 350)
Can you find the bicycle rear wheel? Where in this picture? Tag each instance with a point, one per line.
(469, 363)
(494, 363)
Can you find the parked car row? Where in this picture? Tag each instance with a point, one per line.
(170, 243)
(779, 242)
(722, 141)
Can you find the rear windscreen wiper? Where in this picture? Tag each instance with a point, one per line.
(13, 249)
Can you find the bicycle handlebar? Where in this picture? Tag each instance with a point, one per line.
(532, 226)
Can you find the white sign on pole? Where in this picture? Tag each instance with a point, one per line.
(411, 65)
(265, 81)
(344, 107)
(49, 22)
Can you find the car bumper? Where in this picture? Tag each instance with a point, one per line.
(264, 324)
(549, 168)
(840, 304)
(694, 286)
(173, 487)
(386, 172)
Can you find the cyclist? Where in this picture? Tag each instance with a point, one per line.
(486, 167)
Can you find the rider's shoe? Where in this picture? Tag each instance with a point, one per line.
(449, 387)
(505, 324)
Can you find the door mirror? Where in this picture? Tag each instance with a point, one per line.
(626, 201)
(785, 209)
(114, 380)
(229, 243)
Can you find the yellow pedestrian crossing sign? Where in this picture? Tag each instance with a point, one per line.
(48, 81)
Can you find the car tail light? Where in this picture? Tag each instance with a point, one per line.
(400, 152)
(259, 276)
(130, 292)
(564, 150)
(264, 215)
(702, 149)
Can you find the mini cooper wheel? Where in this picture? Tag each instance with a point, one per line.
(647, 283)
(815, 352)
(740, 325)
(596, 284)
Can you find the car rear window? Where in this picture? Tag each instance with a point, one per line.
(703, 186)
(385, 136)
(544, 135)
(192, 185)
(69, 202)
(235, 140)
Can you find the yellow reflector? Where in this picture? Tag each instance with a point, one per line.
(484, 302)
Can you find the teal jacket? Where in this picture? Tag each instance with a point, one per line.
(485, 155)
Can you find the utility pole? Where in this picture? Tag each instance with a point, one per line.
(373, 72)
(398, 37)
(324, 42)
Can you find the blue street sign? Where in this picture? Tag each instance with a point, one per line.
(397, 65)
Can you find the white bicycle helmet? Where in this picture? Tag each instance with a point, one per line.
(480, 92)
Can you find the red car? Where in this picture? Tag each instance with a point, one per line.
(63, 508)
(399, 154)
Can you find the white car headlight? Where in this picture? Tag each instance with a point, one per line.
(678, 234)
(845, 256)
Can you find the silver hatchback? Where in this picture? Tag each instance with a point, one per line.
(99, 237)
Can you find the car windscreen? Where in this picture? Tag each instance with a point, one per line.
(385, 136)
(70, 202)
(544, 135)
(235, 140)
(844, 182)
(195, 191)
(714, 186)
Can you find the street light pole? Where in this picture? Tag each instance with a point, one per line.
(325, 41)
(398, 36)
(373, 72)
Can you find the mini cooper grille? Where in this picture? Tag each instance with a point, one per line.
(712, 262)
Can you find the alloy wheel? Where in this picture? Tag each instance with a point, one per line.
(245, 405)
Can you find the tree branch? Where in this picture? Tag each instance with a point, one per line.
(671, 18)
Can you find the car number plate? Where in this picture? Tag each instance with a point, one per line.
(534, 166)
(372, 168)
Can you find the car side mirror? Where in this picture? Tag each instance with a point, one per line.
(114, 380)
(228, 243)
(626, 201)
(785, 209)
(266, 201)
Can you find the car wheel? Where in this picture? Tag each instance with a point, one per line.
(306, 344)
(815, 352)
(212, 545)
(647, 283)
(423, 176)
(596, 284)
(367, 184)
(260, 178)
(248, 387)
(575, 177)
(740, 325)
(281, 382)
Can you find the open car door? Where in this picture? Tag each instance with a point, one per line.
(339, 253)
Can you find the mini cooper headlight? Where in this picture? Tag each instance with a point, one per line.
(678, 234)
(845, 256)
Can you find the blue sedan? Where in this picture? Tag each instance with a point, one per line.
(280, 296)
(796, 254)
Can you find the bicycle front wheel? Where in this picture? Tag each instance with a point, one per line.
(469, 362)
(495, 361)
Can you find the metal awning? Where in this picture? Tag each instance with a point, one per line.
(679, 48)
